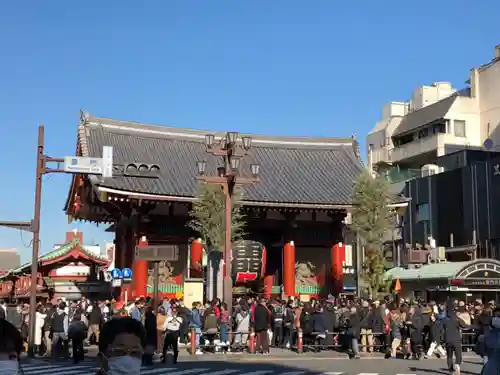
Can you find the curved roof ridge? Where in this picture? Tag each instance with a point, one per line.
(142, 129)
(293, 169)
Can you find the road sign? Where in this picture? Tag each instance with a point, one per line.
(117, 282)
(89, 165)
(79, 164)
(107, 161)
(116, 273)
(127, 274)
(107, 276)
(157, 253)
(488, 144)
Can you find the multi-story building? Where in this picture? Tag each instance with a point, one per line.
(437, 120)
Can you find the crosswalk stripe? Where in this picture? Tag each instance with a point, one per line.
(39, 366)
(189, 371)
(49, 366)
(54, 370)
(222, 372)
(152, 371)
(255, 373)
(90, 368)
(332, 373)
(294, 373)
(368, 373)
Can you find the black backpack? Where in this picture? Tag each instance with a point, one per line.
(288, 317)
(306, 324)
(278, 313)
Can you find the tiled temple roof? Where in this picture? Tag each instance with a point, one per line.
(293, 170)
(60, 252)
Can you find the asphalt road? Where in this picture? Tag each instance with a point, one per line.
(204, 365)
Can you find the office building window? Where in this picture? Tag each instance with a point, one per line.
(459, 126)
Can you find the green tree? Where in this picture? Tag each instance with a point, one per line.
(208, 216)
(371, 220)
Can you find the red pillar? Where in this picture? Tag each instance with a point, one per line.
(140, 273)
(338, 258)
(268, 286)
(196, 254)
(289, 269)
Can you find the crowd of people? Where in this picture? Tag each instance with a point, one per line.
(392, 326)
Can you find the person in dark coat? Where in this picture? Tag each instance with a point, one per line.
(96, 321)
(261, 323)
(306, 325)
(183, 313)
(330, 323)
(150, 324)
(354, 332)
(77, 332)
(14, 316)
(483, 321)
(47, 338)
(415, 324)
(319, 327)
(452, 326)
(435, 337)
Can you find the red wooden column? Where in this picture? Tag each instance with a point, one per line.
(268, 286)
(289, 269)
(196, 258)
(338, 259)
(140, 273)
(268, 279)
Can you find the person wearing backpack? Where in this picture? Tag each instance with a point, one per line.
(306, 324)
(288, 324)
(278, 318)
(47, 328)
(77, 332)
(211, 325)
(60, 326)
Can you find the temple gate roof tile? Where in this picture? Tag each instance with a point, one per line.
(293, 170)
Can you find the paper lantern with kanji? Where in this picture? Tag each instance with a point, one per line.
(249, 261)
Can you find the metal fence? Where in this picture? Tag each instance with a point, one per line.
(316, 341)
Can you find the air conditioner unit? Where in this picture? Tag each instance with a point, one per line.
(430, 169)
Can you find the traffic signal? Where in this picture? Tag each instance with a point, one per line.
(143, 170)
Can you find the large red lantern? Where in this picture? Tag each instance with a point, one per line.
(248, 261)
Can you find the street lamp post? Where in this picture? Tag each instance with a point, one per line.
(231, 154)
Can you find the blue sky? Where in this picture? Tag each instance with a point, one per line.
(319, 68)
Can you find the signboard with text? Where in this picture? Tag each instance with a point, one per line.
(156, 253)
(493, 282)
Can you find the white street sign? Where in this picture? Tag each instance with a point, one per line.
(78, 164)
(107, 277)
(107, 161)
(85, 165)
(116, 282)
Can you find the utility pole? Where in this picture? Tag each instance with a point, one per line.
(40, 168)
(33, 226)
